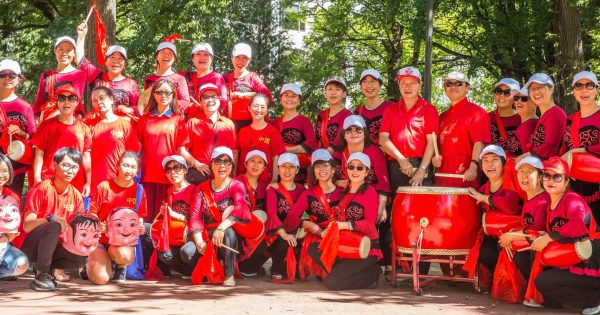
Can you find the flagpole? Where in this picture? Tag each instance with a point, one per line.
(89, 14)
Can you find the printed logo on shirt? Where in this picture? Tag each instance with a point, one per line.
(117, 133)
(69, 207)
(168, 126)
(264, 140)
(130, 201)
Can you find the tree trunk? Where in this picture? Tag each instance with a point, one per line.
(394, 59)
(108, 12)
(569, 59)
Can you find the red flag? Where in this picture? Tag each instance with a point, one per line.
(101, 45)
(329, 245)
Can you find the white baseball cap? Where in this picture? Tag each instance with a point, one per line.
(258, 153)
(531, 160)
(11, 65)
(510, 82)
(458, 76)
(218, 151)
(320, 155)
(167, 45)
(288, 158)
(408, 72)
(354, 120)
(293, 87)
(585, 75)
(492, 148)
(114, 49)
(363, 158)
(64, 39)
(338, 80)
(202, 47)
(177, 158)
(523, 91)
(540, 78)
(242, 49)
(371, 72)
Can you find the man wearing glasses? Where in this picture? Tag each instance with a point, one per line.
(464, 131)
(63, 131)
(504, 120)
(49, 204)
(208, 130)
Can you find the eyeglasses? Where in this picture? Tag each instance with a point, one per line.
(226, 162)
(518, 98)
(177, 168)
(163, 93)
(453, 83)
(500, 91)
(11, 76)
(71, 98)
(587, 86)
(356, 130)
(359, 168)
(557, 178)
(68, 167)
(210, 97)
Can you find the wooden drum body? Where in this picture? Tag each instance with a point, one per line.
(449, 218)
(495, 223)
(584, 166)
(255, 228)
(556, 254)
(177, 232)
(353, 245)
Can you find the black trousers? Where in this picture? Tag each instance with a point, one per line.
(348, 274)
(43, 249)
(189, 254)
(562, 287)
(489, 253)
(523, 262)
(176, 262)
(278, 251)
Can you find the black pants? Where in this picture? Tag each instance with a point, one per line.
(176, 262)
(278, 251)
(562, 287)
(43, 249)
(348, 274)
(489, 253)
(189, 254)
(523, 262)
(17, 184)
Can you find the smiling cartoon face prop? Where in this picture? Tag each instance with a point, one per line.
(123, 227)
(82, 234)
(10, 216)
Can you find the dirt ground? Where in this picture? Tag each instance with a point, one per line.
(250, 296)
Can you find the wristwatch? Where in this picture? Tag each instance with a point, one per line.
(50, 218)
(423, 167)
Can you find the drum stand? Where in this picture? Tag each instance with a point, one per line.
(416, 258)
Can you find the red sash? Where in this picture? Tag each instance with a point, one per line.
(360, 110)
(321, 196)
(575, 130)
(323, 130)
(210, 203)
(502, 129)
(251, 193)
(286, 194)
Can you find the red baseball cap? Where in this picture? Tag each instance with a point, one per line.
(209, 87)
(67, 88)
(557, 165)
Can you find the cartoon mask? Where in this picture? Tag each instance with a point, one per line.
(123, 227)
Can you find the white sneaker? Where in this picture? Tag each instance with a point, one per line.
(532, 303)
(591, 310)
(229, 281)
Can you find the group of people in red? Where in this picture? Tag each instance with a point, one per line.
(195, 166)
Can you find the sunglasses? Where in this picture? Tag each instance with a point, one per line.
(454, 83)
(587, 86)
(11, 76)
(557, 178)
(358, 168)
(71, 98)
(518, 98)
(356, 130)
(176, 169)
(499, 91)
(163, 93)
(226, 162)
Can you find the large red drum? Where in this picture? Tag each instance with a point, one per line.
(556, 254)
(495, 223)
(584, 166)
(255, 228)
(453, 220)
(353, 245)
(178, 232)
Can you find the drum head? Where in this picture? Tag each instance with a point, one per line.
(261, 215)
(425, 190)
(16, 150)
(584, 249)
(365, 247)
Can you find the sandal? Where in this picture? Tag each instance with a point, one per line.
(61, 276)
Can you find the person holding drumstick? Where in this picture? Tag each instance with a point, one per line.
(223, 203)
(313, 209)
(464, 131)
(356, 212)
(568, 221)
(582, 134)
(21, 123)
(374, 108)
(504, 121)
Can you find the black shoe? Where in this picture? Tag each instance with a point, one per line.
(83, 273)
(43, 282)
(120, 275)
(9, 278)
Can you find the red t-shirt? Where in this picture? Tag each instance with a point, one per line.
(461, 126)
(53, 135)
(125, 91)
(408, 130)
(78, 78)
(334, 126)
(297, 131)
(194, 83)
(267, 140)
(373, 118)
(548, 134)
(251, 82)
(110, 140)
(205, 136)
(510, 124)
(278, 207)
(44, 200)
(159, 136)
(524, 132)
(183, 95)
(20, 113)
(110, 196)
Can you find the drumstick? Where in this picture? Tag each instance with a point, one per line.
(449, 175)
(524, 249)
(9, 142)
(229, 248)
(435, 146)
(520, 234)
(509, 252)
(89, 14)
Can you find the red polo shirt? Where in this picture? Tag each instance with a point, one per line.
(267, 140)
(205, 136)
